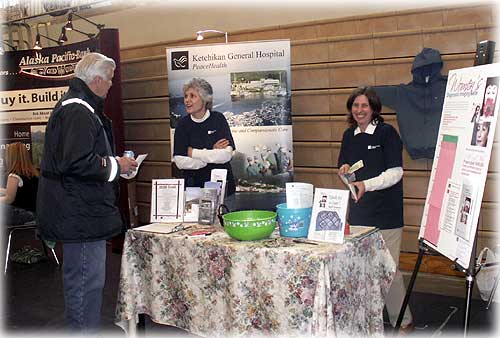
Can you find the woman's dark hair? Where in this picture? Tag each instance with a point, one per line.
(373, 101)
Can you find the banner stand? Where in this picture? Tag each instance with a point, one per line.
(484, 55)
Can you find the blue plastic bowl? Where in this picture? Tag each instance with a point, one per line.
(293, 222)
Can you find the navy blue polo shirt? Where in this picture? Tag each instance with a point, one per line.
(380, 151)
(203, 136)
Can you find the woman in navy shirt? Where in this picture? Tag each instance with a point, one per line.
(203, 140)
(379, 184)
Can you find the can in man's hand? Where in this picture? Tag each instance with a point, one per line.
(128, 153)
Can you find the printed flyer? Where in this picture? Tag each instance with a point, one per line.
(328, 215)
(460, 167)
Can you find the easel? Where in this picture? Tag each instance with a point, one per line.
(484, 55)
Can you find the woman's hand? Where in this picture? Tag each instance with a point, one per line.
(344, 168)
(221, 144)
(360, 188)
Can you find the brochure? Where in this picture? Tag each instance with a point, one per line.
(219, 175)
(167, 200)
(133, 173)
(328, 215)
(350, 177)
(299, 195)
(192, 204)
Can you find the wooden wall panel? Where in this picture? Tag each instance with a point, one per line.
(156, 150)
(338, 101)
(386, 45)
(323, 178)
(144, 67)
(393, 73)
(338, 28)
(377, 24)
(144, 212)
(155, 108)
(154, 170)
(463, 16)
(310, 53)
(409, 242)
(309, 78)
(353, 74)
(147, 130)
(143, 192)
(413, 210)
(460, 41)
(488, 219)
(145, 87)
(316, 154)
(315, 102)
(486, 34)
(300, 32)
(420, 20)
(415, 184)
(354, 49)
(315, 129)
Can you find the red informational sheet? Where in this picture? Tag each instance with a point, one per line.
(446, 159)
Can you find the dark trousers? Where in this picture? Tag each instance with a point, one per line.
(84, 274)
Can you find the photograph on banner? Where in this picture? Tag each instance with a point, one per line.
(252, 89)
(460, 166)
(33, 82)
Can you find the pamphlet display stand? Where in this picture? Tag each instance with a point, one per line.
(449, 222)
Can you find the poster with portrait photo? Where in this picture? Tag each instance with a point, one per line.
(490, 97)
(464, 217)
(460, 166)
(480, 133)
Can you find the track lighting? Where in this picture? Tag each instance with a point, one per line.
(38, 44)
(199, 34)
(69, 23)
(63, 38)
(8, 45)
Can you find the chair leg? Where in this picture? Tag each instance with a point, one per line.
(55, 257)
(7, 253)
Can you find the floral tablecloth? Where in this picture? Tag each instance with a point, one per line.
(216, 286)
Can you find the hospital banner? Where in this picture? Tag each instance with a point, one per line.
(32, 83)
(460, 166)
(252, 88)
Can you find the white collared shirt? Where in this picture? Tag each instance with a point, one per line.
(386, 178)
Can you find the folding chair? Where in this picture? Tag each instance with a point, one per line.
(20, 227)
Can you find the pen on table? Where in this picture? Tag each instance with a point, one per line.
(304, 242)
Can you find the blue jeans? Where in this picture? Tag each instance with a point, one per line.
(84, 274)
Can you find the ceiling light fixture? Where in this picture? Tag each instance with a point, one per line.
(199, 34)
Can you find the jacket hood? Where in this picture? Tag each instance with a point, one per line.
(427, 66)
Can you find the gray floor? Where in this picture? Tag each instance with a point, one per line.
(33, 304)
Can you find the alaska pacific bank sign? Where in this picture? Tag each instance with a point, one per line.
(180, 59)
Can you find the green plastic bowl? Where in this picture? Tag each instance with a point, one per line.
(249, 225)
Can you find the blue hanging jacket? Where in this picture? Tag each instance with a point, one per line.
(419, 104)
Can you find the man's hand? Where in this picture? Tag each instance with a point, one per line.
(127, 164)
(221, 144)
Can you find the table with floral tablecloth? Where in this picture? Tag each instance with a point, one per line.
(215, 286)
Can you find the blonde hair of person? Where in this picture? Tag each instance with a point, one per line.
(18, 160)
